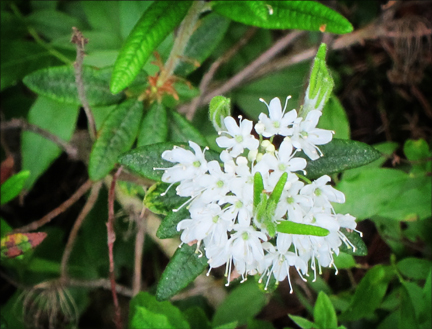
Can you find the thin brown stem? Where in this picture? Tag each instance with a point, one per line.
(57, 211)
(111, 240)
(94, 193)
(23, 124)
(207, 78)
(79, 40)
(248, 71)
(100, 283)
(139, 245)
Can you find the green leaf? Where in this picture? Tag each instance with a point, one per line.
(154, 126)
(302, 322)
(52, 23)
(219, 108)
(289, 227)
(300, 15)
(146, 312)
(115, 137)
(58, 83)
(414, 268)
(369, 293)
(388, 193)
(19, 58)
(335, 118)
(197, 318)
(59, 119)
(243, 303)
(340, 155)
(202, 42)
(344, 261)
(152, 28)
(407, 316)
(13, 186)
(320, 84)
(324, 312)
(356, 240)
(417, 151)
(168, 227)
(183, 268)
(259, 324)
(181, 130)
(160, 203)
(147, 160)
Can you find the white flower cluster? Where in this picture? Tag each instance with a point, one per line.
(221, 202)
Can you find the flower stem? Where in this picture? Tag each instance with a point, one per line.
(185, 31)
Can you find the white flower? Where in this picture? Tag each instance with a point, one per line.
(221, 197)
(306, 136)
(189, 165)
(240, 139)
(279, 121)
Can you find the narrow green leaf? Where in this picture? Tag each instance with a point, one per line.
(219, 108)
(152, 28)
(160, 203)
(369, 293)
(183, 268)
(259, 324)
(13, 186)
(301, 229)
(115, 137)
(320, 84)
(258, 188)
(324, 312)
(58, 83)
(278, 189)
(302, 322)
(340, 155)
(168, 227)
(181, 130)
(300, 15)
(407, 315)
(356, 240)
(243, 303)
(147, 160)
(154, 126)
(202, 42)
(59, 119)
(145, 312)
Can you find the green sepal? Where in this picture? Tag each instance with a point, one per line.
(186, 264)
(116, 136)
(290, 227)
(258, 188)
(320, 84)
(219, 108)
(154, 25)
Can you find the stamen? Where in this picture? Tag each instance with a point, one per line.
(286, 103)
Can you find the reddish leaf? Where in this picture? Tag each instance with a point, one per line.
(13, 245)
(6, 169)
